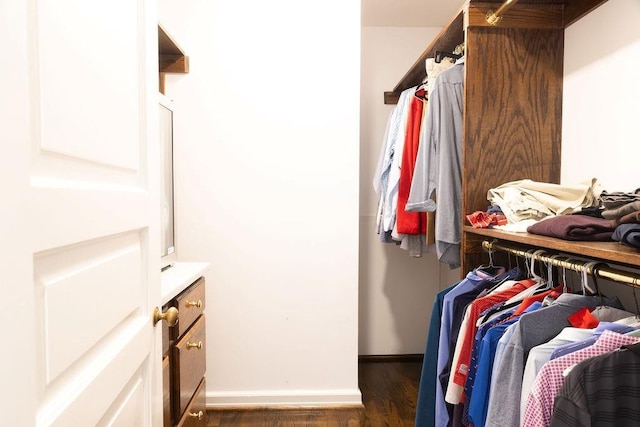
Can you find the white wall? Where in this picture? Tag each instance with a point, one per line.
(396, 291)
(267, 190)
(600, 99)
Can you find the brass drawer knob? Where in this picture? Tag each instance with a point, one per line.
(197, 415)
(170, 316)
(194, 304)
(197, 345)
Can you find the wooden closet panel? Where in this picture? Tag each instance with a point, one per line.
(513, 113)
(513, 109)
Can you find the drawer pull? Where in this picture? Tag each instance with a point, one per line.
(197, 345)
(197, 415)
(170, 316)
(194, 304)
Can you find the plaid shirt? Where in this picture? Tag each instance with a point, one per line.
(480, 219)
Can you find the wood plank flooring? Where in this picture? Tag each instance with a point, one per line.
(389, 394)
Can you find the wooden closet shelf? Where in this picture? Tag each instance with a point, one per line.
(451, 36)
(171, 58)
(504, 113)
(525, 14)
(605, 251)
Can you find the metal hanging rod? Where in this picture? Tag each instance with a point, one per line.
(493, 18)
(599, 270)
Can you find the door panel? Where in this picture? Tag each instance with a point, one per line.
(92, 204)
(75, 283)
(128, 408)
(90, 79)
(84, 399)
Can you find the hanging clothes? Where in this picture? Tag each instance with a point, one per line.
(438, 170)
(425, 405)
(489, 330)
(589, 394)
(411, 223)
(394, 174)
(532, 329)
(550, 378)
(475, 282)
(386, 179)
(465, 341)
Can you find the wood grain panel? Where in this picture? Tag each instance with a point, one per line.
(173, 64)
(187, 305)
(189, 366)
(606, 251)
(166, 44)
(513, 110)
(196, 413)
(573, 9)
(518, 16)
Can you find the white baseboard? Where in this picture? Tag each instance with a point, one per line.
(286, 398)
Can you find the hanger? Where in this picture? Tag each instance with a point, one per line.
(491, 268)
(538, 278)
(491, 258)
(440, 55)
(635, 297)
(595, 269)
(585, 278)
(550, 275)
(421, 92)
(528, 263)
(564, 277)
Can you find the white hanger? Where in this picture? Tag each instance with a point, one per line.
(551, 283)
(536, 277)
(585, 279)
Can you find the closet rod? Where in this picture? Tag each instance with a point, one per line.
(494, 17)
(605, 271)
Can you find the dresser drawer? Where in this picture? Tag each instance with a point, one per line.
(188, 364)
(166, 392)
(196, 413)
(190, 305)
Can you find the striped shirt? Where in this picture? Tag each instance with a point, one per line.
(549, 380)
(602, 391)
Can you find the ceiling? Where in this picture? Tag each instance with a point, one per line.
(408, 13)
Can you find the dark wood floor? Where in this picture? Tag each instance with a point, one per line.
(389, 393)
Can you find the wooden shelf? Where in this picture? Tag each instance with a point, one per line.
(171, 58)
(525, 14)
(451, 36)
(605, 251)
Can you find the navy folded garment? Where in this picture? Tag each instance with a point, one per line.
(574, 227)
(628, 233)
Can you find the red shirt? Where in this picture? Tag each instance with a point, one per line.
(476, 308)
(410, 222)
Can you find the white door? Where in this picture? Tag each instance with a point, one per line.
(79, 214)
